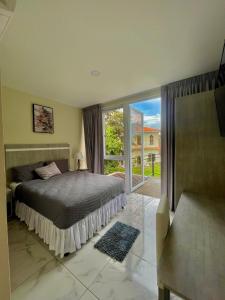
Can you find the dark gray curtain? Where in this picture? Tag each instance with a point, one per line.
(92, 117)
(169, 93)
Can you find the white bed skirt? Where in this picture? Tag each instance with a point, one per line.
(69, 240)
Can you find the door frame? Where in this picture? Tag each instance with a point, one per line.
(4, 257)
(127, 156)
(132, 189)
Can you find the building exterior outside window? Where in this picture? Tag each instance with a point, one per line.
(151, 140)
(152, 143)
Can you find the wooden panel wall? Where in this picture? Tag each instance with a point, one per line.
(199, 149)
(24, 154)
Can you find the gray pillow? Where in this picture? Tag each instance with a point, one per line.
(26, 172)
(62, 164)
(48, 171)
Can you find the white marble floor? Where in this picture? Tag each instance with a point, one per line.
(87, 274)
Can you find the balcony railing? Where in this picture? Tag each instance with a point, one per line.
(152, 165)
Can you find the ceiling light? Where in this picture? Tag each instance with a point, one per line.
(95, 73)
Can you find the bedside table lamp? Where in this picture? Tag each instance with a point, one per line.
(79, 156)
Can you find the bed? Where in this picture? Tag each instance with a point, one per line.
(66, 210)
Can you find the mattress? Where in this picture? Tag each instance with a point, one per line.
(65, 199)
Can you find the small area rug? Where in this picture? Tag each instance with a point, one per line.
(117, 241)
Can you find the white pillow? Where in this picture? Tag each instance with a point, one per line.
(48, 171)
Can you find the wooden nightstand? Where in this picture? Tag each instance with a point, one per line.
(9, 198)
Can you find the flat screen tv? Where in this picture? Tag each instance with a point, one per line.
(220, 94)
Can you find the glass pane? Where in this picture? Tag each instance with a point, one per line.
(151, 110)
(114, 132)
(136, 147)
(114, 167)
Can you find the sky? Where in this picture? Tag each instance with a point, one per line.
(151, 110)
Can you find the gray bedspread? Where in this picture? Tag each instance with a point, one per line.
(68, 198)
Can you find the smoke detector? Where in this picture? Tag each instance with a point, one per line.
(95, 73)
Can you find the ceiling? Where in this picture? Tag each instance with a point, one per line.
(51, 46)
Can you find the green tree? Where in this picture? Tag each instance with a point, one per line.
(114, 132)
(114, 135)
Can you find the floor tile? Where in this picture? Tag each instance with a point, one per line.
(26, 254)
(36, 272)
(145, 247)
(18, 234)
(88, 296)
(51, 282)
(136, 202)
(134, 279)
(86, 263)
(142, 218)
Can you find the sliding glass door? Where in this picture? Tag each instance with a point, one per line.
(136, 151)
(123, 145)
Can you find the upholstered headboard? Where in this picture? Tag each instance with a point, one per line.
(24, 154)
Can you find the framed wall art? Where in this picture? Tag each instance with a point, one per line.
(43, 120)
